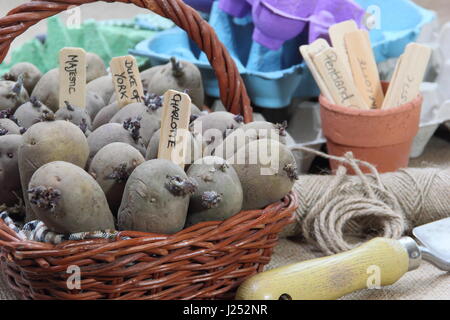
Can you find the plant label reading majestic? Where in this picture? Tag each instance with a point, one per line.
(174, 136)
(127, 80)
(72, 77)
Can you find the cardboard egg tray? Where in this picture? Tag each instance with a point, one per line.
(274, 77)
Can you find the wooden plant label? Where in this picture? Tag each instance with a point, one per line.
(364, 68)
(408, 76)
(390, 92)
(308, 51)
(127, 80)
(174, 135)
(337, 79)
(337, 33)
(72, 77)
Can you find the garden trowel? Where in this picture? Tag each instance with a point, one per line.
(379, 262)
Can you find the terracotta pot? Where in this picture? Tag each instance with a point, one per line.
(380, 137)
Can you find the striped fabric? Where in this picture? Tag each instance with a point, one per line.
(37, 231)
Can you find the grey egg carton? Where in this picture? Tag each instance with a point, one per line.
(305, 128)
(442, 62)
(304, 116)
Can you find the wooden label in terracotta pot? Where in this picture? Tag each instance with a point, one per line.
(338, 80)
(408, 76)
(364, 68)
(308, 52)
(337, 36)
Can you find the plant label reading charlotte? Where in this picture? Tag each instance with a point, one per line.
(72, 76)
(127, 80)
(175, 118)
(364, 68)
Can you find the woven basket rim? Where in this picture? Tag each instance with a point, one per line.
(286, 204)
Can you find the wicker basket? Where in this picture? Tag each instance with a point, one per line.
(206, 261)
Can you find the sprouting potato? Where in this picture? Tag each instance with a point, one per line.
(68, 200)
(267, 171)
(102, 86)
(10, 190)
(94, 103)
(8, 126)
(46, 142)
(128, 132)
(180, 76)
(33, 112)
(111, 167)
(194, 154)
(156, 198)
(95, 67)
(75, 115)
(113, 98)
(250, 132)
(214, 127)
(105, 115)
(30, 73)
(219, 194)
(148, 112)
(147, 76)
(12, 94)
(47, 89)
(195, 112)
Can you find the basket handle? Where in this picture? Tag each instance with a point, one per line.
(232, 89)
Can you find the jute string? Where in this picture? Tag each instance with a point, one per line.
(337, 211)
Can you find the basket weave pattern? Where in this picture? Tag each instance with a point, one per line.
(206, 261)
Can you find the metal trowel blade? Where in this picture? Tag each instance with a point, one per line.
(436, 237)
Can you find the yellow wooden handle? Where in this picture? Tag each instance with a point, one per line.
(378, 262)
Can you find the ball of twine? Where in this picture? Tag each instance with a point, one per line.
(337, 211)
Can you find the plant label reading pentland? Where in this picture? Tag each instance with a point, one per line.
(174, 135)
(127, 80)
(72, 77)
(337, 79)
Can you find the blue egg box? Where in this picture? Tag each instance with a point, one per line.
(274, 78)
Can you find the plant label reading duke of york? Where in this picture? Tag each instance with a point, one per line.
(127, 80)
